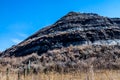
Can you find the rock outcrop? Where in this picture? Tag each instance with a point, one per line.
(73, 29)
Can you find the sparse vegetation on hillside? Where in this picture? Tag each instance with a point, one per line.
(68, 59)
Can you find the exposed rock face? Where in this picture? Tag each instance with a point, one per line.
(116, 20)
(76, 29)
(72, 29)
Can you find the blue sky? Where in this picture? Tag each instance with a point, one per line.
(21, 18)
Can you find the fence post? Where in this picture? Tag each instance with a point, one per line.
(24, 72)
(18, 75)
(7, 74)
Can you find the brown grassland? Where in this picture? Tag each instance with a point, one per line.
(89, 75)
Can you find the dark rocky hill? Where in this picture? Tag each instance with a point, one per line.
(73, 40)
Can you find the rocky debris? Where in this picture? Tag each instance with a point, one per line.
(52, 43)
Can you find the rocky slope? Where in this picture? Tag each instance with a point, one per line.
(52, 44)
(75, 29)
(116, 20)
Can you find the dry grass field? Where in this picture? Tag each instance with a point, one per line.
(90, 75)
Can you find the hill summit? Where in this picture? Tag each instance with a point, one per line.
(74, 40)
